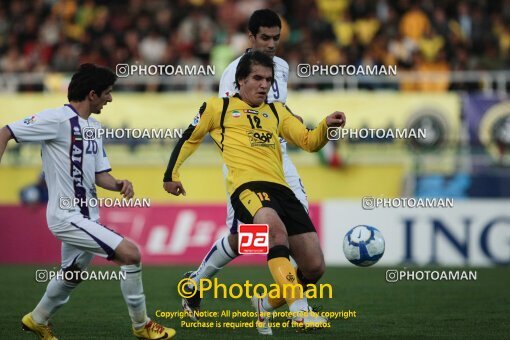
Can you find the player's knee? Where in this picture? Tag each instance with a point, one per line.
(128, 253)
(134, 256)
(278, 238)
(314, 270)
(318, 271)
(266, 215)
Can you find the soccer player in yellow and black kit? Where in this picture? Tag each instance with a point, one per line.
(245, 128)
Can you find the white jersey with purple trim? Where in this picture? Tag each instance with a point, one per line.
(70, 162)
(277, 93)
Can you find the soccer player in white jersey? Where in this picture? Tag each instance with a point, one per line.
(264, 33)
(73, 165)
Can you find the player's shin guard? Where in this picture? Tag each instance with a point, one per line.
(219, 256)
(132, 290)
(57, 293)
(284, 275)
(270, 303)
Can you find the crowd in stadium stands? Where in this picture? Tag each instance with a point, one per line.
(419, 35)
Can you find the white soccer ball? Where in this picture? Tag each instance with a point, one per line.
(363, 245)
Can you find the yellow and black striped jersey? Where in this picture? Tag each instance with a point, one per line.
(247, 138)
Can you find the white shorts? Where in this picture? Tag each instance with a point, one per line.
(291, 177)
(82, 239)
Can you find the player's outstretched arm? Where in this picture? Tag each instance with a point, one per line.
(5, 136)
(187, 144)
(108, 182)
(296, 132)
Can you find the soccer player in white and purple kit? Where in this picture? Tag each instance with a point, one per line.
(74, 162)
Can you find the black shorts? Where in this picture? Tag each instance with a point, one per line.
(251, 196)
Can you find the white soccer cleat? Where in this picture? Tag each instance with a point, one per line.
(263, 318)
(309, 320)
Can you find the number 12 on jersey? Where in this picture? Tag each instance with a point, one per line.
(263, 196)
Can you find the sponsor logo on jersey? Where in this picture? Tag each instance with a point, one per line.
(260, 138)
(236, 114)
(255, 112)
(77, 164)
(29, 120)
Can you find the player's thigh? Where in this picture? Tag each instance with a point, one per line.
(257, 202)
(306, 250)
(277, 231)
(74, 258)
(89, 236)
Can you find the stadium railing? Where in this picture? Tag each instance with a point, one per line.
(489, 82)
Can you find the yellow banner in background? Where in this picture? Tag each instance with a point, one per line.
(136, 110)
(176, 110)
(320, 182)
(371, 169)
(378, 110)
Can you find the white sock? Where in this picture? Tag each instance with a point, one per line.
(268, 308)
(132, 290)
(57, 293)
(219, 256)
(265, 304)
(299, 305)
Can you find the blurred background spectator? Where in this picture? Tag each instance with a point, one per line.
(419, 35)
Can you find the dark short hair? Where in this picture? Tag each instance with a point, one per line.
(89, 77)
(263, 18)
(250, 58)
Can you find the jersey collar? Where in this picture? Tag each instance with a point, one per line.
(237, 95)
(72, 108)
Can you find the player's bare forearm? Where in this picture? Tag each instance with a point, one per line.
(5, 136)
(108, 182)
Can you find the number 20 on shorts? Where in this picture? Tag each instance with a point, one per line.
(253, 239)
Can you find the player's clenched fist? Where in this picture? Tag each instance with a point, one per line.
(336, 119)
(174, 188)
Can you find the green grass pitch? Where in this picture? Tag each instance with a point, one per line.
(455, 309)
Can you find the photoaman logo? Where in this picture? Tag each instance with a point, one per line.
(253, 239)
(188, 287)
